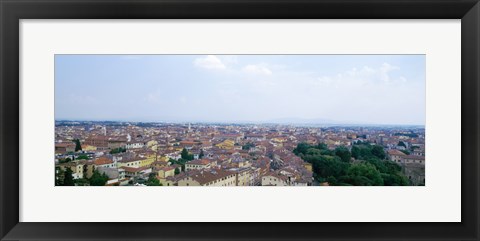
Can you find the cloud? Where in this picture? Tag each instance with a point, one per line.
(229, 59)
(209, 62)
(384, 70)
(257, 69)
(364, 76)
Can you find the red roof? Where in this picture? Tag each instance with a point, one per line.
(200, 162)
(102, 161)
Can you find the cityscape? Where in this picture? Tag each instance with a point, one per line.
(252, 120)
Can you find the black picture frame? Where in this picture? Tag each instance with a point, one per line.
(13, 10)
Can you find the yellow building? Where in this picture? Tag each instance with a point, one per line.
(86, 147)
(77, 169)
(153, 145)
(147, 160)
(130, 163)
(308, 166)
(227, 144)
(244, 176)
(200, 164)
(166, 172)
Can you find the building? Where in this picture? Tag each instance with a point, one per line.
(135, 145)
(273, 179)
(136, 171)
(415, 173)
(104, 162)
(166, 172)
(115, 143)
(199, 164)
(99, 142)
(255, 137)
(407, 159)
(62, 148)
(396, 155)
(114, 175)
(76, 167)
(212, 177)
(244, 176)
(135, 162)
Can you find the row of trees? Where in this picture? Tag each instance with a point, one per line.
(185, 157)
(118, 150)
(68, 159)
(336, 167)
(65, 178)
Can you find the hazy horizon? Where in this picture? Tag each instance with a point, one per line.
(340, 89)
(333, 123)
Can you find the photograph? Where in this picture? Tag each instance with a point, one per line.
(240, 120)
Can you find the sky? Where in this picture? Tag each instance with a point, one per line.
(338, 89)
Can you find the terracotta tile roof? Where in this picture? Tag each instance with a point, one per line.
(206, 176)
(395, 153)
(200, 162)
(166, 169)
(64, 144)
(103, 161)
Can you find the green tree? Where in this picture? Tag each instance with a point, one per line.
(118, 150)
(313, 152)
(301, 148)
(395, 179)
(81, 182)
(377, 163)
(82, 157)
(355, 152)
(152, 180)
(247, 146)
(329, 166)
(177, 171)
(343, 153)
(332, 181)
(186, 155)
(68, 177)
(78, 146)
(379, 152)
(68, 159)
(364, 174)
(322, 146)
(98, 179)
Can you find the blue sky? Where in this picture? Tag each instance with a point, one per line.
(355, 89)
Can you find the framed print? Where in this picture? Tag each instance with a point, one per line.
(165, 120)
